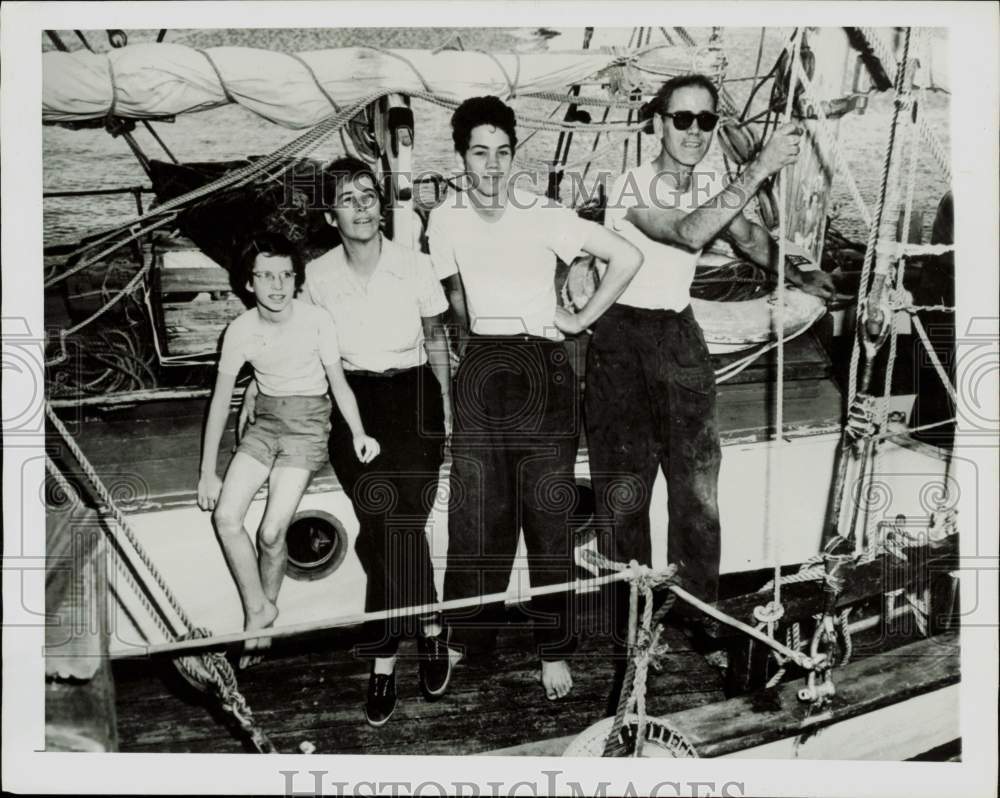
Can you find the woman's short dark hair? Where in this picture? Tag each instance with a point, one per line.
(347, 169)
(478, 111)
(661, 100)
(270, 244)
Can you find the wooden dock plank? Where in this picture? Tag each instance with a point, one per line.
(317, 696)
(882, 681)
(863, 686)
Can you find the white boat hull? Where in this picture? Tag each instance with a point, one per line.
(184, 548)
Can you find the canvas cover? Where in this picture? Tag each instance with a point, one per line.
(153, 80)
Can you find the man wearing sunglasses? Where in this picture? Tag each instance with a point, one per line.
(650, 399)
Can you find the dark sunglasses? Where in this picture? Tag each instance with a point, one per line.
(682, 120)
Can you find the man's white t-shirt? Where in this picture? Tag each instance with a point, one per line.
(288, 357)
(379, 324)
(664, 281)
(507, 265)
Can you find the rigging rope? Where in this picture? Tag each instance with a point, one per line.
(867, 264)
(887, 278)
(314, 137)
(831, 141)
(208, 667)
(885, 54)
(154, 612)
(730, 370)
(895, 283)
(918, 325)
(774, 609)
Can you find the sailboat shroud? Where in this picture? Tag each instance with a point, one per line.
(161, 510)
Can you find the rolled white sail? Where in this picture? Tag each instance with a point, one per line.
(145, 81)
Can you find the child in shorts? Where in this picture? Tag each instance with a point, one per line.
(292, 347)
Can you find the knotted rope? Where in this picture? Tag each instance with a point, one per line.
(644, 646)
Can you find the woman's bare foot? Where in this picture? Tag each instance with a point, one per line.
(556, 679)
(261, 619)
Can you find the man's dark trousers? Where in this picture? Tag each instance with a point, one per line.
(650, 405)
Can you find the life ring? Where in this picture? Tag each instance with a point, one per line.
(740, 145)
(736, 325)
(727, 326)
(661, 739)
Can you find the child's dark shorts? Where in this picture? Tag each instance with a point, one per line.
(289, 431)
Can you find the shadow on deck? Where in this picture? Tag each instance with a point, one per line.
(312, 689)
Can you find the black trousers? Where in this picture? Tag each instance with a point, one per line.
(650, 405)
(513, 451)
(393, 495)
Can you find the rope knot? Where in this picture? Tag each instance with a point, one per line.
(861, 421)
(641, 576)
(646, 578)
(770, 613)
(900, 299)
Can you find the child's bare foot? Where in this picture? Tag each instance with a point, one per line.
(556, 679)
(261, 619)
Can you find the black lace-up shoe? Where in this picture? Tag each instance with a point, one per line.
(435, 665)
(381, 698)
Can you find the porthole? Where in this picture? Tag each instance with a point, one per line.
(317, 545)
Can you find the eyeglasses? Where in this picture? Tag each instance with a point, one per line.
(279, 278)
(682, 120)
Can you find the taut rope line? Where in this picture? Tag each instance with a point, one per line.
(453, 604)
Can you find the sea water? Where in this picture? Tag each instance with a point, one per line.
(75, 160)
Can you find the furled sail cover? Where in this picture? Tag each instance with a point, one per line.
(145, 81)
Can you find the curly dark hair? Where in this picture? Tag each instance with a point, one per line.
(478, 111)
(661, 100)
(264, 242)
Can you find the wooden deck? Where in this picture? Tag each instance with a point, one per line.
(313, 690)
(898, 703)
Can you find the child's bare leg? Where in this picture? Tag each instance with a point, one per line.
(286, 485)
(243, 479)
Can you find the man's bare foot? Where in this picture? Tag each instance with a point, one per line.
(257, 620)
(556, 679)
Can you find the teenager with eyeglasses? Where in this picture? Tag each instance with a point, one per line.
(292, 347)
(648, 359)
(386, 303)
